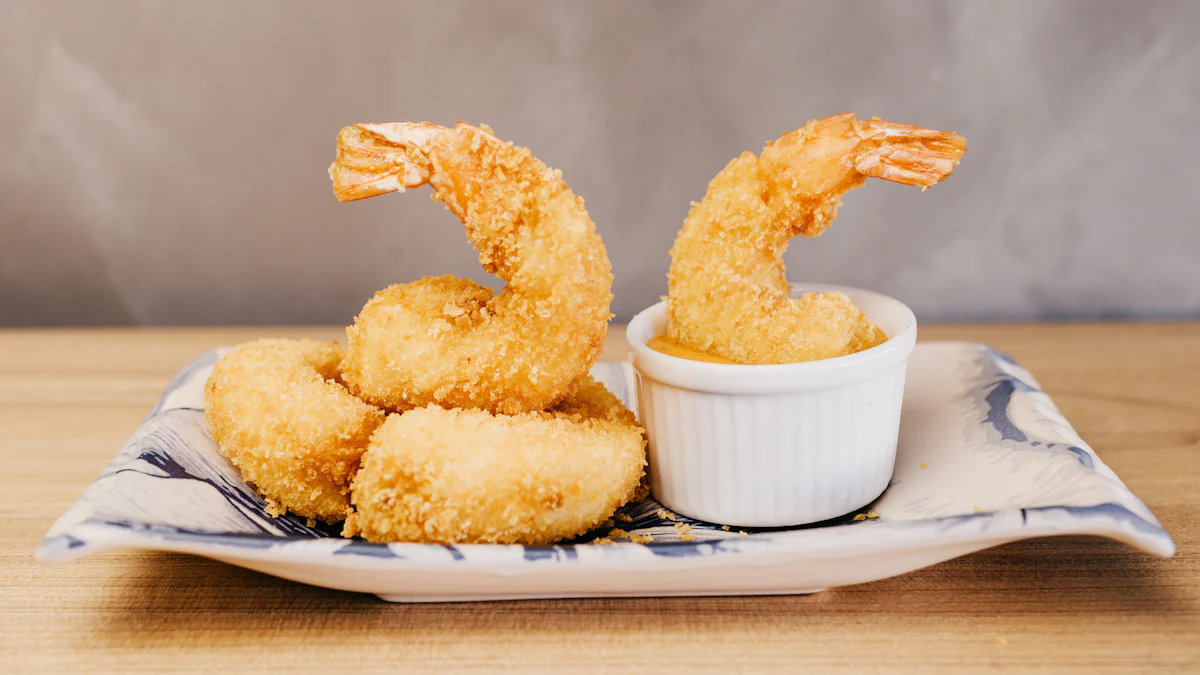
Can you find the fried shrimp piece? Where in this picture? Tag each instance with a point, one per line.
(728, 294)
(467, 476)
(450, 341)
(280, 416)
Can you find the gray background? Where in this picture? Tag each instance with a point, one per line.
(164, 163)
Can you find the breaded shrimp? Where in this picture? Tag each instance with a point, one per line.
(468, 476)
(728, 294)
(280, 416)
(450, 341)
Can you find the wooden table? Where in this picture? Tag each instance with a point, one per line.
(68, 398)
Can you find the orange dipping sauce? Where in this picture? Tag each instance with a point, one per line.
(665, 345)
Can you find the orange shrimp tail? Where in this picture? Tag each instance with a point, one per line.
(375, 159)
(905, 154)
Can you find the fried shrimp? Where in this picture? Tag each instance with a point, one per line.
(467, 476)
(728, 294)
(450, 341)
(280, 416)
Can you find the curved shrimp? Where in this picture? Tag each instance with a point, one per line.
(728, 294)
(450, 341)
(279, 414)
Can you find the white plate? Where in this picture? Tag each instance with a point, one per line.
(984, 458)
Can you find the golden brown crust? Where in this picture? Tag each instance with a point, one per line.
(450, 341)
(279, 415)
(468, 476)
(728, 291)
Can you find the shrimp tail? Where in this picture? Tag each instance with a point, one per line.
(375, 159)
(906, 154)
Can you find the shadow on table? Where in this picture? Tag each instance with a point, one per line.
(167, 599)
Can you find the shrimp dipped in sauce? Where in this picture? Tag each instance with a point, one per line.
(728, 294)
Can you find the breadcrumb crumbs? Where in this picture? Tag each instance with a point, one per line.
(622, 518)
(641, 538)
(860, 517)
(742, 533)
(976, 509)
(725, 527)
(665, 514)
(608, 523)
(618, 533)
(687, 537)
(872, 514)
(602, 541)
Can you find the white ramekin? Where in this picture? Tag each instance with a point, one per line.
(766, 446)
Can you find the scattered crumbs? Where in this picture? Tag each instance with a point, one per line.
(683, 530)
(622, 518)
(742, 533)
(725, 527)
(687, 537)
(641, 538)
(310, 522)
(872, 514)
(1002, 642)
(679, 525)
(618, 533)
(273, 508)
(924, 465)
(608, 523)
(860, 516)
(665, 514)
(976, 509)
(602, 541)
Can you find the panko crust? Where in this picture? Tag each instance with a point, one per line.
(280, 415)
(468, 476)
(728, 293)
(449, 341)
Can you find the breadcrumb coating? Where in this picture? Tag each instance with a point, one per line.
(468, 476)
(728, 293)
(279, 414)
(450, 341)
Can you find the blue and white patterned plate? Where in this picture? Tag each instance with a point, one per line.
(984, 458)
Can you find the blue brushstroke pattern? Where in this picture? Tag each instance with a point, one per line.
(1001, 387)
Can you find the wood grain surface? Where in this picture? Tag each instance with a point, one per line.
(69, 398)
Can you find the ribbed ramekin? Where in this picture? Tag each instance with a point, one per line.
(774, 445)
